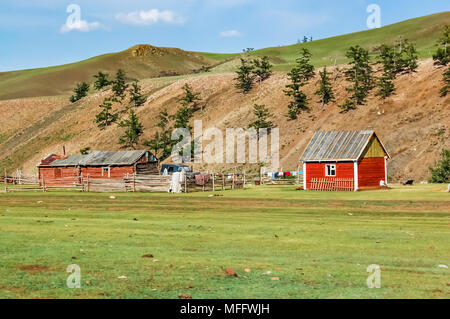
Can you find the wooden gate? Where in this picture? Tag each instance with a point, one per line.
(332, 184)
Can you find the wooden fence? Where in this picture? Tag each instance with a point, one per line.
(214, 182)
(332, 184)
(130, 183)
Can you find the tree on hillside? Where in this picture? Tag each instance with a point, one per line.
(136, 96)
(263, 116)
(190, 98)
(360, 75)
(410, 57)
(133, 131)
(262, 68)
(85, 150)
(305, 68)
(80, 91)
(161, 144)
(101, 80)
(405, 56)
(182, 118)
(387, 58)
(105, 117)
(440, 173)
(244, 76)
(119, 86)
(446, 79)
(442, 55)
(299, 76)
(325, 91)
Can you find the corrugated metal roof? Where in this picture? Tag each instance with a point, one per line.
(337, 145)
(101, 158)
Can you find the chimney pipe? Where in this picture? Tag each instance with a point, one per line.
(64, 150)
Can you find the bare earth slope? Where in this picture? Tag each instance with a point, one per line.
(413, 124)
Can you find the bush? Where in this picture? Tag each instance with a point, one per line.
(441, 172)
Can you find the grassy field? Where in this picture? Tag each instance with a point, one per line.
(318, 244)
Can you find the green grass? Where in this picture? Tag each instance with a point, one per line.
(319, 244)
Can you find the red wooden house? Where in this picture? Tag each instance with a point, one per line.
(68, 170)
(344, 160)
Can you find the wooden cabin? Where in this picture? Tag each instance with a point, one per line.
(345, 160)
(68, 170)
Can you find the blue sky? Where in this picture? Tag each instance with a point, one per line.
(34, 33)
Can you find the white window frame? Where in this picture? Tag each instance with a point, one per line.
(332, 167)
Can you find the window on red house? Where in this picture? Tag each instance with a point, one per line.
(330, 170)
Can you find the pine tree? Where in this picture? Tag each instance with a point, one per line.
(101, 81)
(405, 56)
(385, 83)
(299, 76)
(136, 96)
(133, 131)
(359, 74)
(441, 172)
(161, 144)
(244, 77)
(182, 118)
(442, 55)
(325, 91)
(80, 92)
(446, 79)
(263, 116)
(119, 86)
(347, 106)
(305, 68)
(410, 57)
(262, 68)
(386, 86)
(190, 98)
(105, 117)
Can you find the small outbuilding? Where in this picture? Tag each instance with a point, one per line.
(345, 160)
(68, 170)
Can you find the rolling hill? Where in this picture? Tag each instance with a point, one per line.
(140, 62)
(146, 61)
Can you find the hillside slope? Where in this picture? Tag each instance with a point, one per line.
(414, 124)
(146, 61)
(140, 61)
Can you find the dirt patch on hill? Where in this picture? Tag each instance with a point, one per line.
(35, 268)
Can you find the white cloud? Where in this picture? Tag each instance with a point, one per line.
(150, 17)
(81, 25)
(230, 33)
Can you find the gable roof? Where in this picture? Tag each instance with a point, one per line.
(338, 145)
(100, 158)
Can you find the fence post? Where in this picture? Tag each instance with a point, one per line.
(213, 182)
(223, 181)
(6, 183)
(43, 184)
(134, 182)
(88, 182)
(185, 183)
(232, 184)
(243, 185)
